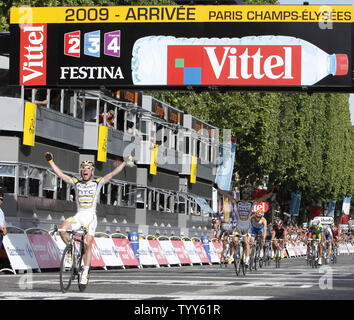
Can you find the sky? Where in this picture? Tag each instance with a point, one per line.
(327, 2)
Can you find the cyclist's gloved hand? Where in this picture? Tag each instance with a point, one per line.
(49, 156)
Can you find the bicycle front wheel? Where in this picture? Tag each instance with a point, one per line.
(67, 267)
(237, 260)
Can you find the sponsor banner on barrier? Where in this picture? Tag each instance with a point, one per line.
(191, 250)
(169, 252)
(60, 243)
(201, 252)
(109, 252)
(350, 247)
(342, 249)
(181, 252)
(125, 251)
(214, 256)
(158, 252)
(97, 260)
(45, 250)
(218, 248)
(20, 252)
(146, 256)
(290, 250)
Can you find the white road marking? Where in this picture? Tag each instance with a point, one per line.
(124, 296)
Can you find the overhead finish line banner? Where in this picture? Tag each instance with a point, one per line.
(179, 47)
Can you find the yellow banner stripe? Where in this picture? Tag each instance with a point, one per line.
(29, 125)
(180, 14)
(153, 160)
(102, 143)
(194, 163)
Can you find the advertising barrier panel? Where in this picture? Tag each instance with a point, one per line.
(109, 252)
(45, 250)
(192, 252)
(125, 252)
(97, 260)
(201, 251)
(214, 257)
(181, 252)
(158, 252)
(20, 252)
(169, 252)
(146, 255)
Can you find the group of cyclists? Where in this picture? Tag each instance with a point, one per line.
(253, 226)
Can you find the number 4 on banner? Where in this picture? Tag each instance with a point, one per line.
(112, 43)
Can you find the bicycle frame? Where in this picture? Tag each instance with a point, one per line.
(76, 254)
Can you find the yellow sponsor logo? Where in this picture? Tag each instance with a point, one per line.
(102, 143)
(29, 125)
(153, 159)
(193, 177)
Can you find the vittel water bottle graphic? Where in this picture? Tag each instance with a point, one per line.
(255, 60)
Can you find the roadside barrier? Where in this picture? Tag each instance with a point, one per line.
(39, 250)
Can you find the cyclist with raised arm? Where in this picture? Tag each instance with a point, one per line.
(243, 214)
(316, 232)
(87, 191)
(259, 227)
(279, 232)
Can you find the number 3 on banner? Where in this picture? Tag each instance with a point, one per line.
(92, 44)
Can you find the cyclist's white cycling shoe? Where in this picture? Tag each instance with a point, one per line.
(83, 279)
(320, 261)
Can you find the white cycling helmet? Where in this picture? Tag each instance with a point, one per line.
(315, 222)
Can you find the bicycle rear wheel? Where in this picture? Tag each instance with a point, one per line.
(67, 267)
(277, 258)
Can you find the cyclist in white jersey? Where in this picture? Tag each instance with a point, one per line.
(243, 213)
(87, 192)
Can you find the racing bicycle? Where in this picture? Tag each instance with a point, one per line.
(71, 260)
(278, 252)
(239, 256)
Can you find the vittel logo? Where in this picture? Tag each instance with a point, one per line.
(33, 54)
(234, 65)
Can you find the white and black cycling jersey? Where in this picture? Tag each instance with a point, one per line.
(87, 193)
(243, 213)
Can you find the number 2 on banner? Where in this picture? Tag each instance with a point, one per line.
(72, 44)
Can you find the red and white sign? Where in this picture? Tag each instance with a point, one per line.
(214, 253)
(109, 252)
(192, 252)
(158, 252)
(201, 251)
(19, 252)
(97, 260)
(218, 247)
(45, 250)
(181, 252)
(146, 256)
(72, 44)
(236, 64)
(169, 252)
(125, 251)
(262, 205)
(33, 54)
